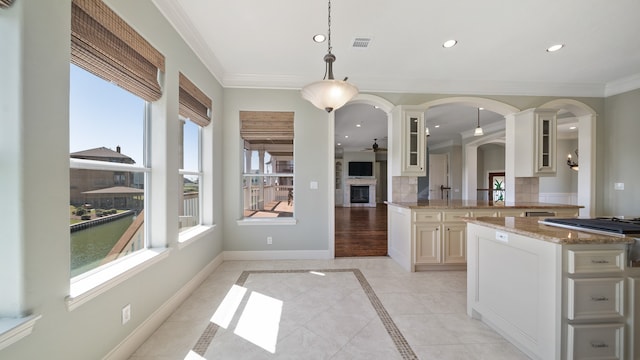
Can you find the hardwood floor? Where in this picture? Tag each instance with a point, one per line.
(361, 231)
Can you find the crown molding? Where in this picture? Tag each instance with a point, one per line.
(622, 85)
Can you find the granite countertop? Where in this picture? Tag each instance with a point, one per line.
(478, 204)
(530, 227)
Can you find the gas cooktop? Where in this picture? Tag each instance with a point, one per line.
(608, 225)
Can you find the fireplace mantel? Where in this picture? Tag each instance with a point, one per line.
(371, 182)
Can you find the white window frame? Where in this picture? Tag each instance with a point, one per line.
(91, 284)
(189, 234)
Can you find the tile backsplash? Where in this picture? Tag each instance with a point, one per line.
(404, 188)
(527, 189)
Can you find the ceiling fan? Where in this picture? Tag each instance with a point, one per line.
(375, 147)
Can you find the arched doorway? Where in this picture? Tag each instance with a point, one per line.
(586, 148)
(382, 105)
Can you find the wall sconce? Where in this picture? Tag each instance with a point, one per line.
(573, 165)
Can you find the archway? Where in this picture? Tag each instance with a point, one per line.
(586, 148)
(470, 151)
(383, 105)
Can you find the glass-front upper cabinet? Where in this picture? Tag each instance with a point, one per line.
(535, 142)
(409, 147)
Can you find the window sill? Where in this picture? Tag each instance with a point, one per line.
(192, 235)
(12, 330)
(268, 221)
(86, 287)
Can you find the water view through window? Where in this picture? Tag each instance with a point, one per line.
(107, 172)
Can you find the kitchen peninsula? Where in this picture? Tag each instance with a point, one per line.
(431, 234)
(555, 293)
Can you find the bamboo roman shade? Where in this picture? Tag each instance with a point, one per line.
(105, 45)
(194, 104)
(5, 3)
(266, 125)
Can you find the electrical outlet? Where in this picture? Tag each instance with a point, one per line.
(618, 186)
(269, 240)
(126, 314)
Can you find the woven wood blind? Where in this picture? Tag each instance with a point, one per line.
(105, 45)
(194, 104)
(5, 3)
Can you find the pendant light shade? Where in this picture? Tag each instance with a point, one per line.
(329, 94)
(478, 131)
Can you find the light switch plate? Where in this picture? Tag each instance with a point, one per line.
(313, 185)
(618, 186)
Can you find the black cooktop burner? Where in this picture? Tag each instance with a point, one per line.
(609, 224)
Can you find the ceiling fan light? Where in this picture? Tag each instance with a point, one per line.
(329, 94)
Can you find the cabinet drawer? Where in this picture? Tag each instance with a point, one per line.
(428, 216)
(601, 341)
(484, 213)
(455, 215)
(595, 261)
(595, 298)
(516, 213)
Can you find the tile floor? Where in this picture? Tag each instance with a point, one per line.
(347, 308)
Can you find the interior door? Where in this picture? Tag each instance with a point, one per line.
(438, 176)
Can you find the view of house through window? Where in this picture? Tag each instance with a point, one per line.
(267, 183)
(107, 171)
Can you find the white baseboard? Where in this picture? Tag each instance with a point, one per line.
(141, 333)
(278, 255)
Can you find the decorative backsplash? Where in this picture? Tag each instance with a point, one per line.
(404, 188)
(527, 189)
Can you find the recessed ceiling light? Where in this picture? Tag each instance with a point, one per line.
(339, 144)
(573, 127)
(437, 126)
(346, 136)
(449, 43)
(319, 38)
(481, 108)
(358, 125)
(555, 47)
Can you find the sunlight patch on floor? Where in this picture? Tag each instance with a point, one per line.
(224, 313)
(260, 321)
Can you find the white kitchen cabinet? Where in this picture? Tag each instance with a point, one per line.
(553, 301)
(440, 239)
(428, 244)
(409, 135)
(535, 143)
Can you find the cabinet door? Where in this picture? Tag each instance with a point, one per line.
(427, 243)
(545, 129)
(413, 144)
(454, 244)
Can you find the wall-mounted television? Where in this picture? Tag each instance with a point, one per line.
(360, 168)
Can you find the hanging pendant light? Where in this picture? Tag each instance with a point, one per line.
(329, 94)
(478, 131)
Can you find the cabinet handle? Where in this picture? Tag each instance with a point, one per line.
(599, 298)
(599, 345)
(600, 261)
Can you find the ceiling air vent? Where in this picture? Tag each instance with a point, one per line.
(361, 43)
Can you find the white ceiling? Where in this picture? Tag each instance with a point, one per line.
(501, 45)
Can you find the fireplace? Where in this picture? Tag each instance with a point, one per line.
(359, 194)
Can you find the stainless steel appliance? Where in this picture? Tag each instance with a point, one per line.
(615, 226)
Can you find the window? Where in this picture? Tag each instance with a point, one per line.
(267, 183)
(115, 75)
(191, 175)
(107, 176)
(195, 113)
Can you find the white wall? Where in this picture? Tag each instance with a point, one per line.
(312, 151)
(34, 223)
(617, 160)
